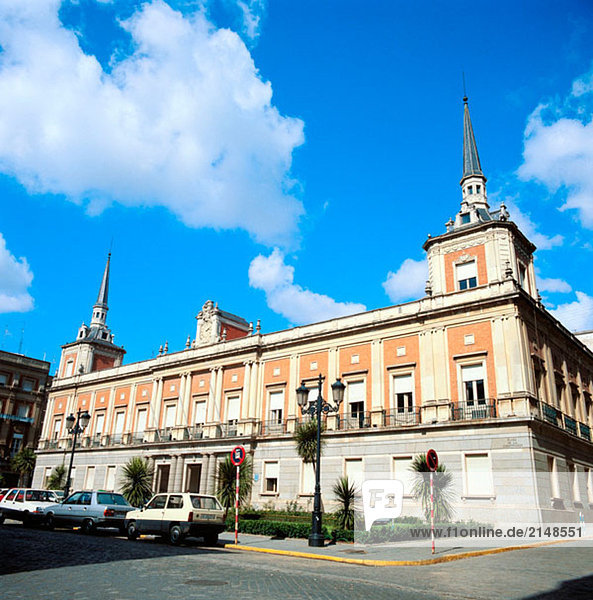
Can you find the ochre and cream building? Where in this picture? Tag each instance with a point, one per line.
(477, 369)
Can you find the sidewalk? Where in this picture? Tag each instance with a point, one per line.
(401, 554)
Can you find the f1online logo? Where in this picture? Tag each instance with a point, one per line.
(381, 499)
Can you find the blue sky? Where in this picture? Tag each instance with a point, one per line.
(284, 159)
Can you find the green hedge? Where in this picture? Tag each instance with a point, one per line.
(279, 529)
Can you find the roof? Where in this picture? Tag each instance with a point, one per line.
(471, 160)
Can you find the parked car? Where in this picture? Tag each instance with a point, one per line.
(177, 516)
(26, 504)
(89, 510)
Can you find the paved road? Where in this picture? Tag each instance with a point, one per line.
(39, 564)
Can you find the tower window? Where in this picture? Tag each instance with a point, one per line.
(478, 189)
(465, 218)
(467, 275)
(470, 190)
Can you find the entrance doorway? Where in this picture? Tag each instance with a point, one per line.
(162, 478)
(192, 480)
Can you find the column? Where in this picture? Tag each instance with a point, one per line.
(211, 484)
(109, 412)
(210, 412)
(179, 474)
(49, 411)
(205, 475)
(186, 399)
(172, 474)
(292, 384)
(255, 368)
(218, 395)
(156, 402)
(376, 374)
(153, 402)
(246, 404)
(129, 428)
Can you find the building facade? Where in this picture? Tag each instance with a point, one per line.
(477, 369)
(23, 398)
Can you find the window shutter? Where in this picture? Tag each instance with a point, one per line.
(200, 413)
(403, 384)
(356, 391)
(271, 470)
(170, 416)
(472, 373)
(141, 420)
(478, 475)
(233, 407)
(277, 400)
(467, 270)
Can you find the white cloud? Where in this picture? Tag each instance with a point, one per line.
(530, 229)
(558, 148)
(15, 279)
(577, 315)
(298, 305)
(553, 285)
(251, 11)
(184, 122)
(408, 282)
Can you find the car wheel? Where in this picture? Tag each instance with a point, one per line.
(50, 521)
(211, 539)
(132, 531)
(175, 535)
(2, 517)
(87, 527)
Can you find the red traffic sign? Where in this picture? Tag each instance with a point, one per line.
(237, 455)
(432, 460)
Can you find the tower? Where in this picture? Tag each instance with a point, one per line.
(93, 349)
(481, 246)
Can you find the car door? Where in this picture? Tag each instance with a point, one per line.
(151, 517)
(173, 512)
(82, 509)
(66, 512)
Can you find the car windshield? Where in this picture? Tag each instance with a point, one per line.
(39, 496)
(107, 498)
(205, 502)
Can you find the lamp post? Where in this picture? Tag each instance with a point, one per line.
(75, 424)
(314, 408)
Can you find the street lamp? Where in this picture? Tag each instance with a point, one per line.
(314, 409)
(75, 425)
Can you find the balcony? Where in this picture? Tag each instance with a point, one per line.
(401, 418)
(356, 421)
(473, 410)
(274, 427)
(554, 416)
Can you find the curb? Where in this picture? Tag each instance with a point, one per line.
(391, 563)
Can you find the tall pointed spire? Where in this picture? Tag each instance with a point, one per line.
(104, 289)
(100, 308)
(473, 181)
(471, 159)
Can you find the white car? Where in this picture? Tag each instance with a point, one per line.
(177, 516)
(26, 504)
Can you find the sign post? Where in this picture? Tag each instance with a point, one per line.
(237, 458)
(432, 462)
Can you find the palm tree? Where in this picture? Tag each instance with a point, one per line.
(345, 493)
(226, 481)
(24, 464)
(136, 481)
(442, 484)
(305, 437)
(57, 478)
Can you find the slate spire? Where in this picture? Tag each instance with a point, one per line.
(104, 289)
(471, 159)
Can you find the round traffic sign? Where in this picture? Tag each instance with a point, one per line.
(237, 455)
(432, 460)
